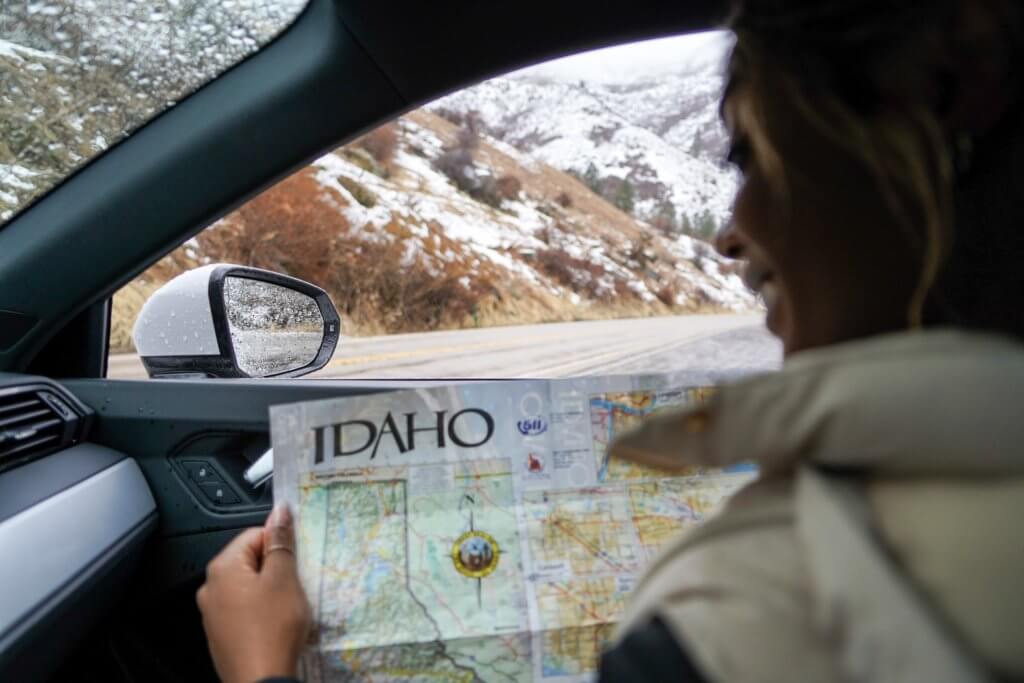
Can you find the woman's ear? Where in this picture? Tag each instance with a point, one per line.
(976, 81)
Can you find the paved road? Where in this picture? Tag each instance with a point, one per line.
(701, 348)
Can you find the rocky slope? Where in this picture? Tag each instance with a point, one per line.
(658, 129)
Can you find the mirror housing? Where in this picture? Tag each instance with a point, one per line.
(185, 328)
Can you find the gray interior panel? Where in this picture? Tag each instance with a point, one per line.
(32, 483)
(50, 544)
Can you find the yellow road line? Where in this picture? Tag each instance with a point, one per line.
(443, 350)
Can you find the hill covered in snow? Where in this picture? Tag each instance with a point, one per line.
(657, 130)
(500, 205)
(402, 245)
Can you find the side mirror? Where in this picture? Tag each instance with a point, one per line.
(231, 321)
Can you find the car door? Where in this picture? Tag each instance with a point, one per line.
(142, 482)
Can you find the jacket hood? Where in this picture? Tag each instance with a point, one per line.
(942, 402)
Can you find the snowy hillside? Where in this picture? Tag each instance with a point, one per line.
(400, 247)
(497, 206)
(660, 130)
(608, 250)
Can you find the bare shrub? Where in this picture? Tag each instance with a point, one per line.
(508, 187)
(377, 288)
(291, 228)
(487, 191)
(450, 115)
(579, 275)
(294, 229)
(364, 160)
(564, 200)
(381, 142)
(664, 225)
(701, 252)
(456, 162)
(666, 295)
(359, 192)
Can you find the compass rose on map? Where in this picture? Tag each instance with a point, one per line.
(475, 553)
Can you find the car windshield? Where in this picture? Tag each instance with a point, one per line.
(76, 76)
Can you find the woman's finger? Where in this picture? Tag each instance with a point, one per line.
(279, 541)
(246, 549)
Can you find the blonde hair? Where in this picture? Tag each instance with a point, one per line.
(853, 71)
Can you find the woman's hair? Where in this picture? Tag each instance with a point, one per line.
(865, 74)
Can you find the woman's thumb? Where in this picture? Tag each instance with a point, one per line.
(279, 541)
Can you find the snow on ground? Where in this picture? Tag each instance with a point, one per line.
(20, 53)
(441, 225)
(662, 132)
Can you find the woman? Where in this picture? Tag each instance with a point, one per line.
(880, 202)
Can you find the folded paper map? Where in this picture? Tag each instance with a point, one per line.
(477, 532)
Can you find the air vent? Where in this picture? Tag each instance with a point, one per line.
(33, 421)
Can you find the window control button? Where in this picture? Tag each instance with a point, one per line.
(200, 472)
(219, 493)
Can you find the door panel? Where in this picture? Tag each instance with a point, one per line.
(173, 429)
(168, 426)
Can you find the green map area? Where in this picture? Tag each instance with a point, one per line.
(389, 599)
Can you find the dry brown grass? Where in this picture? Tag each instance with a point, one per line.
(298, 228)
(125, 310)
(381, 143)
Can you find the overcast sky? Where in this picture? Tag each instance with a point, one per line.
(680, 53)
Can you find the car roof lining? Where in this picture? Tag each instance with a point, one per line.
(459, 47)
(340, 69)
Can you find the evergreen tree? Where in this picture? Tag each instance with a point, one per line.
(624, 196)
(706, 225)
(685, 224)
(665, 219)
(591, 178)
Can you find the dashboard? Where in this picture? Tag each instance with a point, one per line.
(74, 516)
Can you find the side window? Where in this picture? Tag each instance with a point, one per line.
(551, 222)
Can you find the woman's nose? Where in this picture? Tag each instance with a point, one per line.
(728, 242)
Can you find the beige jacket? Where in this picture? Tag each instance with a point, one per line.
(936, 421)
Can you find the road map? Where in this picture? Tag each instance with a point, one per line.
(478, 532)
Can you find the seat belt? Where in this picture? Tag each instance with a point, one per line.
(884, 629)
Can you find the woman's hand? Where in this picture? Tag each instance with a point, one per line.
(254, 611)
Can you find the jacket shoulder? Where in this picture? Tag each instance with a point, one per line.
(735, 594)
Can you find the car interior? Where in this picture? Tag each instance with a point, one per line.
(114, 495)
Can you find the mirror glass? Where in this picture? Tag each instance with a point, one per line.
(274, 329)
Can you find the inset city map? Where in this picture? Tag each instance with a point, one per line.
(612, 414)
